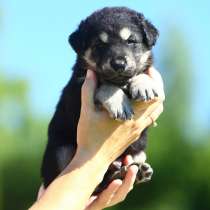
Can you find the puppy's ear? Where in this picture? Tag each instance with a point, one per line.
(150, 33)
(76, 39)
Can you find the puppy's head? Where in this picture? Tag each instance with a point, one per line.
(115, 42)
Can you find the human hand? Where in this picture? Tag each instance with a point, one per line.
(117, 190)
(157, 79)
(96, 131)
(115, 193)
(100, 141)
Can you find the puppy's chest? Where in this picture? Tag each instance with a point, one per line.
(123, 86)
(125, 89)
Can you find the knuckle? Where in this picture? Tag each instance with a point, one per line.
(135, 126)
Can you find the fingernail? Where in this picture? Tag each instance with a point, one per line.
(135, 168)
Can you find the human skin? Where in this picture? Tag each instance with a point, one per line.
(100, 141)
(117, 190)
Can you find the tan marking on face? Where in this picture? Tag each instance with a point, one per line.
(104, 37)
(87, 57)
(125, 33)
(145, 57)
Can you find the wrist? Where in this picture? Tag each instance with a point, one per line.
(98, 157)
(96, 161)
(102, 157)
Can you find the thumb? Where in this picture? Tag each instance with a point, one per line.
(88, 89)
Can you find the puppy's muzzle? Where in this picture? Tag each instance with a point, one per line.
(119, 63)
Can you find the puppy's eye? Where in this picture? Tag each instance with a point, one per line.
(132, 40)
(99, 43)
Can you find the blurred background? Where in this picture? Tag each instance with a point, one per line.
(35, 64)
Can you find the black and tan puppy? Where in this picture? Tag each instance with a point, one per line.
(116, 43)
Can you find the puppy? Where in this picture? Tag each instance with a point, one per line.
(116, 43)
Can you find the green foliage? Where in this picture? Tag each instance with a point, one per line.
(22, 138)
(181, 172)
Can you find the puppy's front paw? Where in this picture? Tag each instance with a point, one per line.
(119, 107)
(115, 102)
(143, 88)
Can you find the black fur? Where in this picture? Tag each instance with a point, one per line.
(62, 137)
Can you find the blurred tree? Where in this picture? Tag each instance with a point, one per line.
(22, 137)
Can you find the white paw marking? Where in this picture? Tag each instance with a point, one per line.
(140, 158)
(87, 57)
(145, 57)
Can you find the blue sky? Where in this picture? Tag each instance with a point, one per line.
(34, 43)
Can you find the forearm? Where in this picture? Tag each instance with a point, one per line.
(76, 183)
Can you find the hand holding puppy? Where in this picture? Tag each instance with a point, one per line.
(100, 140)
(97, 132)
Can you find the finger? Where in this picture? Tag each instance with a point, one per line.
(88, 89)
(90, 201)
(105, 198)
(41, 192)
(154, 74)
(138, 158)
(128, 160)
(142, 111)
(127, 185)
(141, 108)
(152, 117)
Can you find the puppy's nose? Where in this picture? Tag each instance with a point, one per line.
(118, 63)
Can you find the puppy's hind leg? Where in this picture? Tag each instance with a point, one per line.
(114, 100)
(145, 173)
(145, 170)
